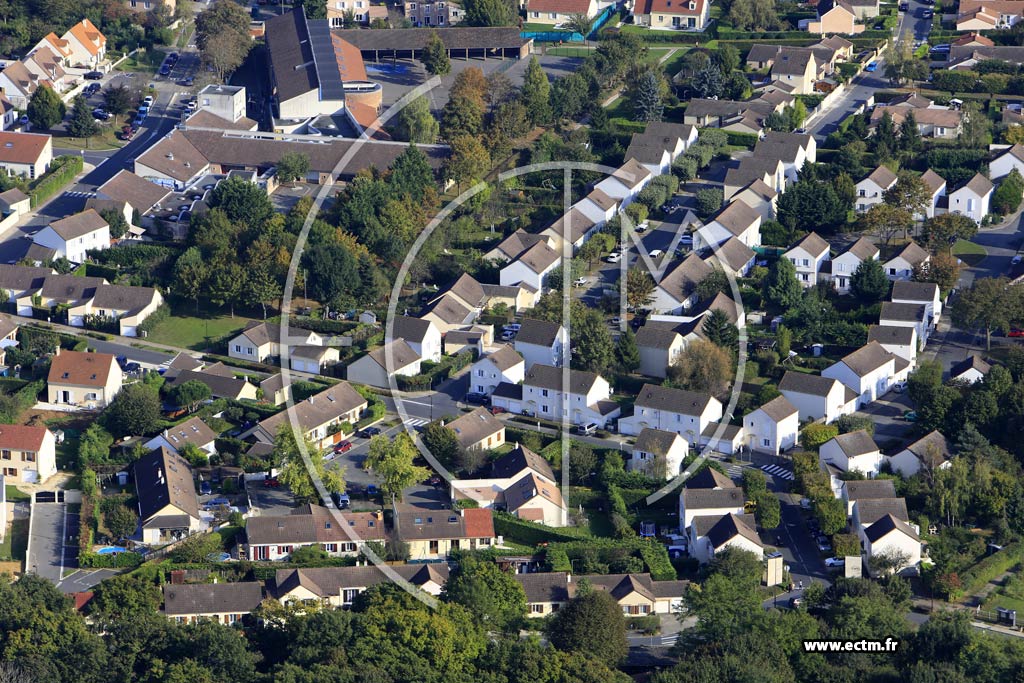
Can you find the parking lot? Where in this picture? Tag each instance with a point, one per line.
(269, 502)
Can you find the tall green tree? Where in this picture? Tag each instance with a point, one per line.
(908, 193)
(45, 109)
(82, 124)
(943, 231)
(190, 274)
(719, 330)
(416, 123)
(117, 100)
(292, 166)
(469, 161)
(811, 205)
(708, 82)
(594, 350)
(592, 624)
(314, 9)
(489, 13)
(990, 304)
(781, 286)
(536, 93)
(135, 411)
(243, 202)
(435, 56)
(648, 106)
(296, 473)
(491, 595)
(189, 394)
(869, 282)
(393, 462)
(222, 35)
(627, 353)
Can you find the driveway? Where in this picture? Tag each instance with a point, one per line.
(887, 414)
(270, 502)
(48, 526)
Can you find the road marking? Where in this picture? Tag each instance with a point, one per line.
(415, 421)
(79, 193)
(778, 472)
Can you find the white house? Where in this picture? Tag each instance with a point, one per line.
(710, 535)
(627, 181)
(855, 451)
(530, 267)
(865, 489)
(599, 207)
(694, 502)
(659, 348)
(374, 370)
(792, 149)
(658, 453)
(261, 342)
(846, 264)
(541, 342)
(503, 365)
(773, 427)
(25, 154)
(588, 395)
(735, 220)
(901, 266)
(1012, 158)
(936, 185)
(273, 538)
(931, 452)
(760, 197)
(676, 291)
(816, 397)
(899, 341)
(313, 359)
(972, 200)
(868, 510)
(970, 370)
(807, 255)
(870, 372)
(893, 538)
(907, 315)
(924, 293)
(192, 430)
(686, 413)
(422, 336)
(870, 189)
(575, 226)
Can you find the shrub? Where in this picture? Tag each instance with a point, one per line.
(814, 435)
(62, 171)
(162, 313)
(709, 201)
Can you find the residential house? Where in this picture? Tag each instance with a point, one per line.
(531, 267)
(807, 255)
(980, 15)
(338, 586)
(27, 454)
(970, 370)
(773, 427)
(599, 208)
(88, 46)
(770, 171)
(588, 396)
(221, 381)
(67, 290)
(1012, 158)
(816, 397)
(129, 306)
(474, 339)
(735, 220)
(317, 414)
(901, 266)
(677, 290)
(867, 511)
(541, 342)
(224, 603)
(447, 312)
(24, 154)
(759, 196)
(560, 11)
(709, 478)
(546, 592)
(712, 534)
(168, 506)
(659, 348)
(931, 452)
(907, 315)
(735, 258)
(707, 113)
(691, 15)
(871, 188)
(478, 430)
(86, 380)
(8, 113)
(503, 365)
(973, 199)
(936, 185)
(845, 264)
(382, 365)
(835, 16)
(627, 181)
(577, 226)
(533, 499)
(73, 236)
(43, 63)
(870, 372)
(865, 489)
(18, 84)
(797, 69)
(865, 9)
(639, 595)
(892, 538)
(365, 12)
(792, 149)
(931, 123)
(659, 145)
(513, 245)
(521, 482)
(261, 341)
(723, 438)
(18, 282)
(708, 503)
(658, 454)
(433, 534)
(434, 12)
(312, 359)
(897, 340)
(687, 413)
(274, 538)
(421, 335)
(925, 293)
(275, 391)
(854, 451)
(192, 431)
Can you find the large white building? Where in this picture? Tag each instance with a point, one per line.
(686, 413)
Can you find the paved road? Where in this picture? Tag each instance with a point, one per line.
(46, 540)
(887, 414)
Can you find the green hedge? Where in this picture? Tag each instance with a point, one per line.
(376, 411)
(653, 554)
(162, 313)
(992, 567)
(737, 138)
(62, 171)
(108, 273)
(531, 533)
(112, 561)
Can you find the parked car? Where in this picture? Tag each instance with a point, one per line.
(904, 6)
(508, 335)
(100, 114)
(910, 416)
(368, 432)
(614, 257)
(873, 66)
(900, 386)
(835, 562)
(477, 397)
(127, 133)
(93, 76)
(497, 410)
(23, 120)
(642, 227)
(824, 547)
(271, 483)
(371, 490)
(795, 602)
(927, 14)
(587, 429)
(343, 447)
(656, 253)
(91, 89)
(132, 368)
(579, 282)
(1015, 333)
(188, 81)
(512, 327)
(205, 489)
(343, 501)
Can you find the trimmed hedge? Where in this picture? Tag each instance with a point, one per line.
(124, 560)
(62, 171)
(531, 533)
(992, 567)
(737, 138)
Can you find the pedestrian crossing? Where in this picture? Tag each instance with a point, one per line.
(415, 422)
(83, 195)
(778, 472)
(734, 471)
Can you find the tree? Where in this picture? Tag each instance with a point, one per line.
(82, 124)
(416, 123)
(243, 202)
(592, 624)
(715, 283)
(469, 160)
(94, 446)
(435, 56)
(198, 548)
(120, 521)
(811, 205)
(640, 288)
(489, 13)
(195, 455)
(943, 231)
(492, 595)
(719, 330)
(393, 462)
(831, 514)
(579, 23)
(189, 394)
(781, 286)
(702, 366)
(118, 100)
(647, 106)
(462, 116)
(943, 269)
(768, 511)
(869, 282)
(121, 597)
(292, 166)
(1007, 196)
(627, 353)
(908, 193)
(297, 473)
(116, 220)
(536, 93)
(442, 443)
(728, 601)
(886, 221)
(222, 35)
(989, 303)
(135, 411)
(190, 274)
(709, 201)
(314, 9)
(727, 58)
(910, 136)
(708, 81)
(784, 341)
(976, 129)
(592, 341)
(814, 435)
(45, 109)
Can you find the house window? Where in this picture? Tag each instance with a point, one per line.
(536, 15)
(349, 547)
(970, 204)
(892, 271)
(349, 594)
(552, 15)
(544, 393)
(536, 608)
(434, 547)
(440, 20)
(284, 550)
(10, 471)
(28, 456)
(6, 454)
(862, 193)
(766, 442)
(330, 547)
(412, 5)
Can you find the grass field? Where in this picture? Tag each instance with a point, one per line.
(970, 253)
(16, 542)
(1010, 595)
(14, 495)
(196, 332)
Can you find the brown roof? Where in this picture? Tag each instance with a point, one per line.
(553, 587)
(933, 181)
(913, 254)
(469, 290)
(945, 118)
(709, 478)
(184, 599)
(89, 36)
(779, 408)
(319, 409)
(403, 354)
(737, 217)
(863, 249)
(529, 487)
(204, 118)
(440, 524)
(655, 441)
(934, 446)
(856, 443)
(972, 362)
(140, 194)
(518, 242)
(21, 148)
(449, 309)
(123, 298)
(813, 244)
(475, 426)
(734, 253)
(23, 79)
(193, 431)
(519, 459)
(979, 184)
(314, 524)
(668, 7)
(681, 280)
(81, 369)
(329, 582)
(162, 478)
(656, 337)
(579, 225)
(21, 437)
(504, 358)
(883, 177)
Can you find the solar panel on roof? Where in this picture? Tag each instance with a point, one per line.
(331, 85)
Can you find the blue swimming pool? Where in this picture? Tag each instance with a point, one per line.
(110, 550)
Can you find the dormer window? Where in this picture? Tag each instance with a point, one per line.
(693, 5)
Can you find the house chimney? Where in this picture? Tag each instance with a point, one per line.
(56, 351)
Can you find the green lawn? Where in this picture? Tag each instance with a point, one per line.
(14, 495)
(196, 332)
(970, 253)
(16, 542)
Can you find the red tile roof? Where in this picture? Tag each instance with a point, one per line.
(22, 148)
(559, 6)
(673, 7)
(21, 437)
(89, 36)
(479, 523)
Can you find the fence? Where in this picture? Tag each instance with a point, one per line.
(570, 36)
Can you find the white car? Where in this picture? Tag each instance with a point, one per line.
(1016, 259)
(579, 282)
(686, 239)
(148, 101)
(614, 257)
(656, 253)
(900, 387)
(834, 562)
(642, 227)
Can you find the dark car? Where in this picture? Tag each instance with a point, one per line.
(93, 76)
(205, 488)
(173, 57)
(91, 89)
(368, 432)
(371, 490)
(165, 70)
(188, 81)
(100, 114)
(478, 398)
(122, 361)
(132, 368)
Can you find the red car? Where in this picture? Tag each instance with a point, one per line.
(343, 447)
(495, 410)
(271, 483)
(1015, 333)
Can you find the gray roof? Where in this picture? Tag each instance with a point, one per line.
(212, 598)
(314, 524)
(327, 582)
(734, 253)
(909, 290)
(518, 242)
(804, 383)
(891, 334)
(856, 443)
(730, 526)
(504, 358)
(123, 298)
(404, 355)
(519, 459)
(933, 446)
(902, 312)
(410, 329)
(709, 478)
(887, 524)
(813, 244)
(509, 391)
(78, 225)
(192, 430)
(540, 256)
(317, 410)
(554, 587)
(712, 499)
(656, 337)
(867, 358)
(164, 478)
(71, 288)
(979, 184)
(681, 280)
(779, 408)
(469, 290)
(529, 487)
(290, 49)
(550, 377)
(449, 309)
(737, 217)
(475, 426)
(655, 441)
(673, 400)
(870, 510)
(863, 249)
(540, 332)
(729, 432)
(972, 362)
(261, 333)
(913, 254)
(869, 488)
(454, 38)
(882, 176)
(220, 386)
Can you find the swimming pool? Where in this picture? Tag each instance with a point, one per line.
(111, 550)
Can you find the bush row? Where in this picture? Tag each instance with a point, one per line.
(992, 567)
(124, 560)
(531, 533)
(62, 171)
